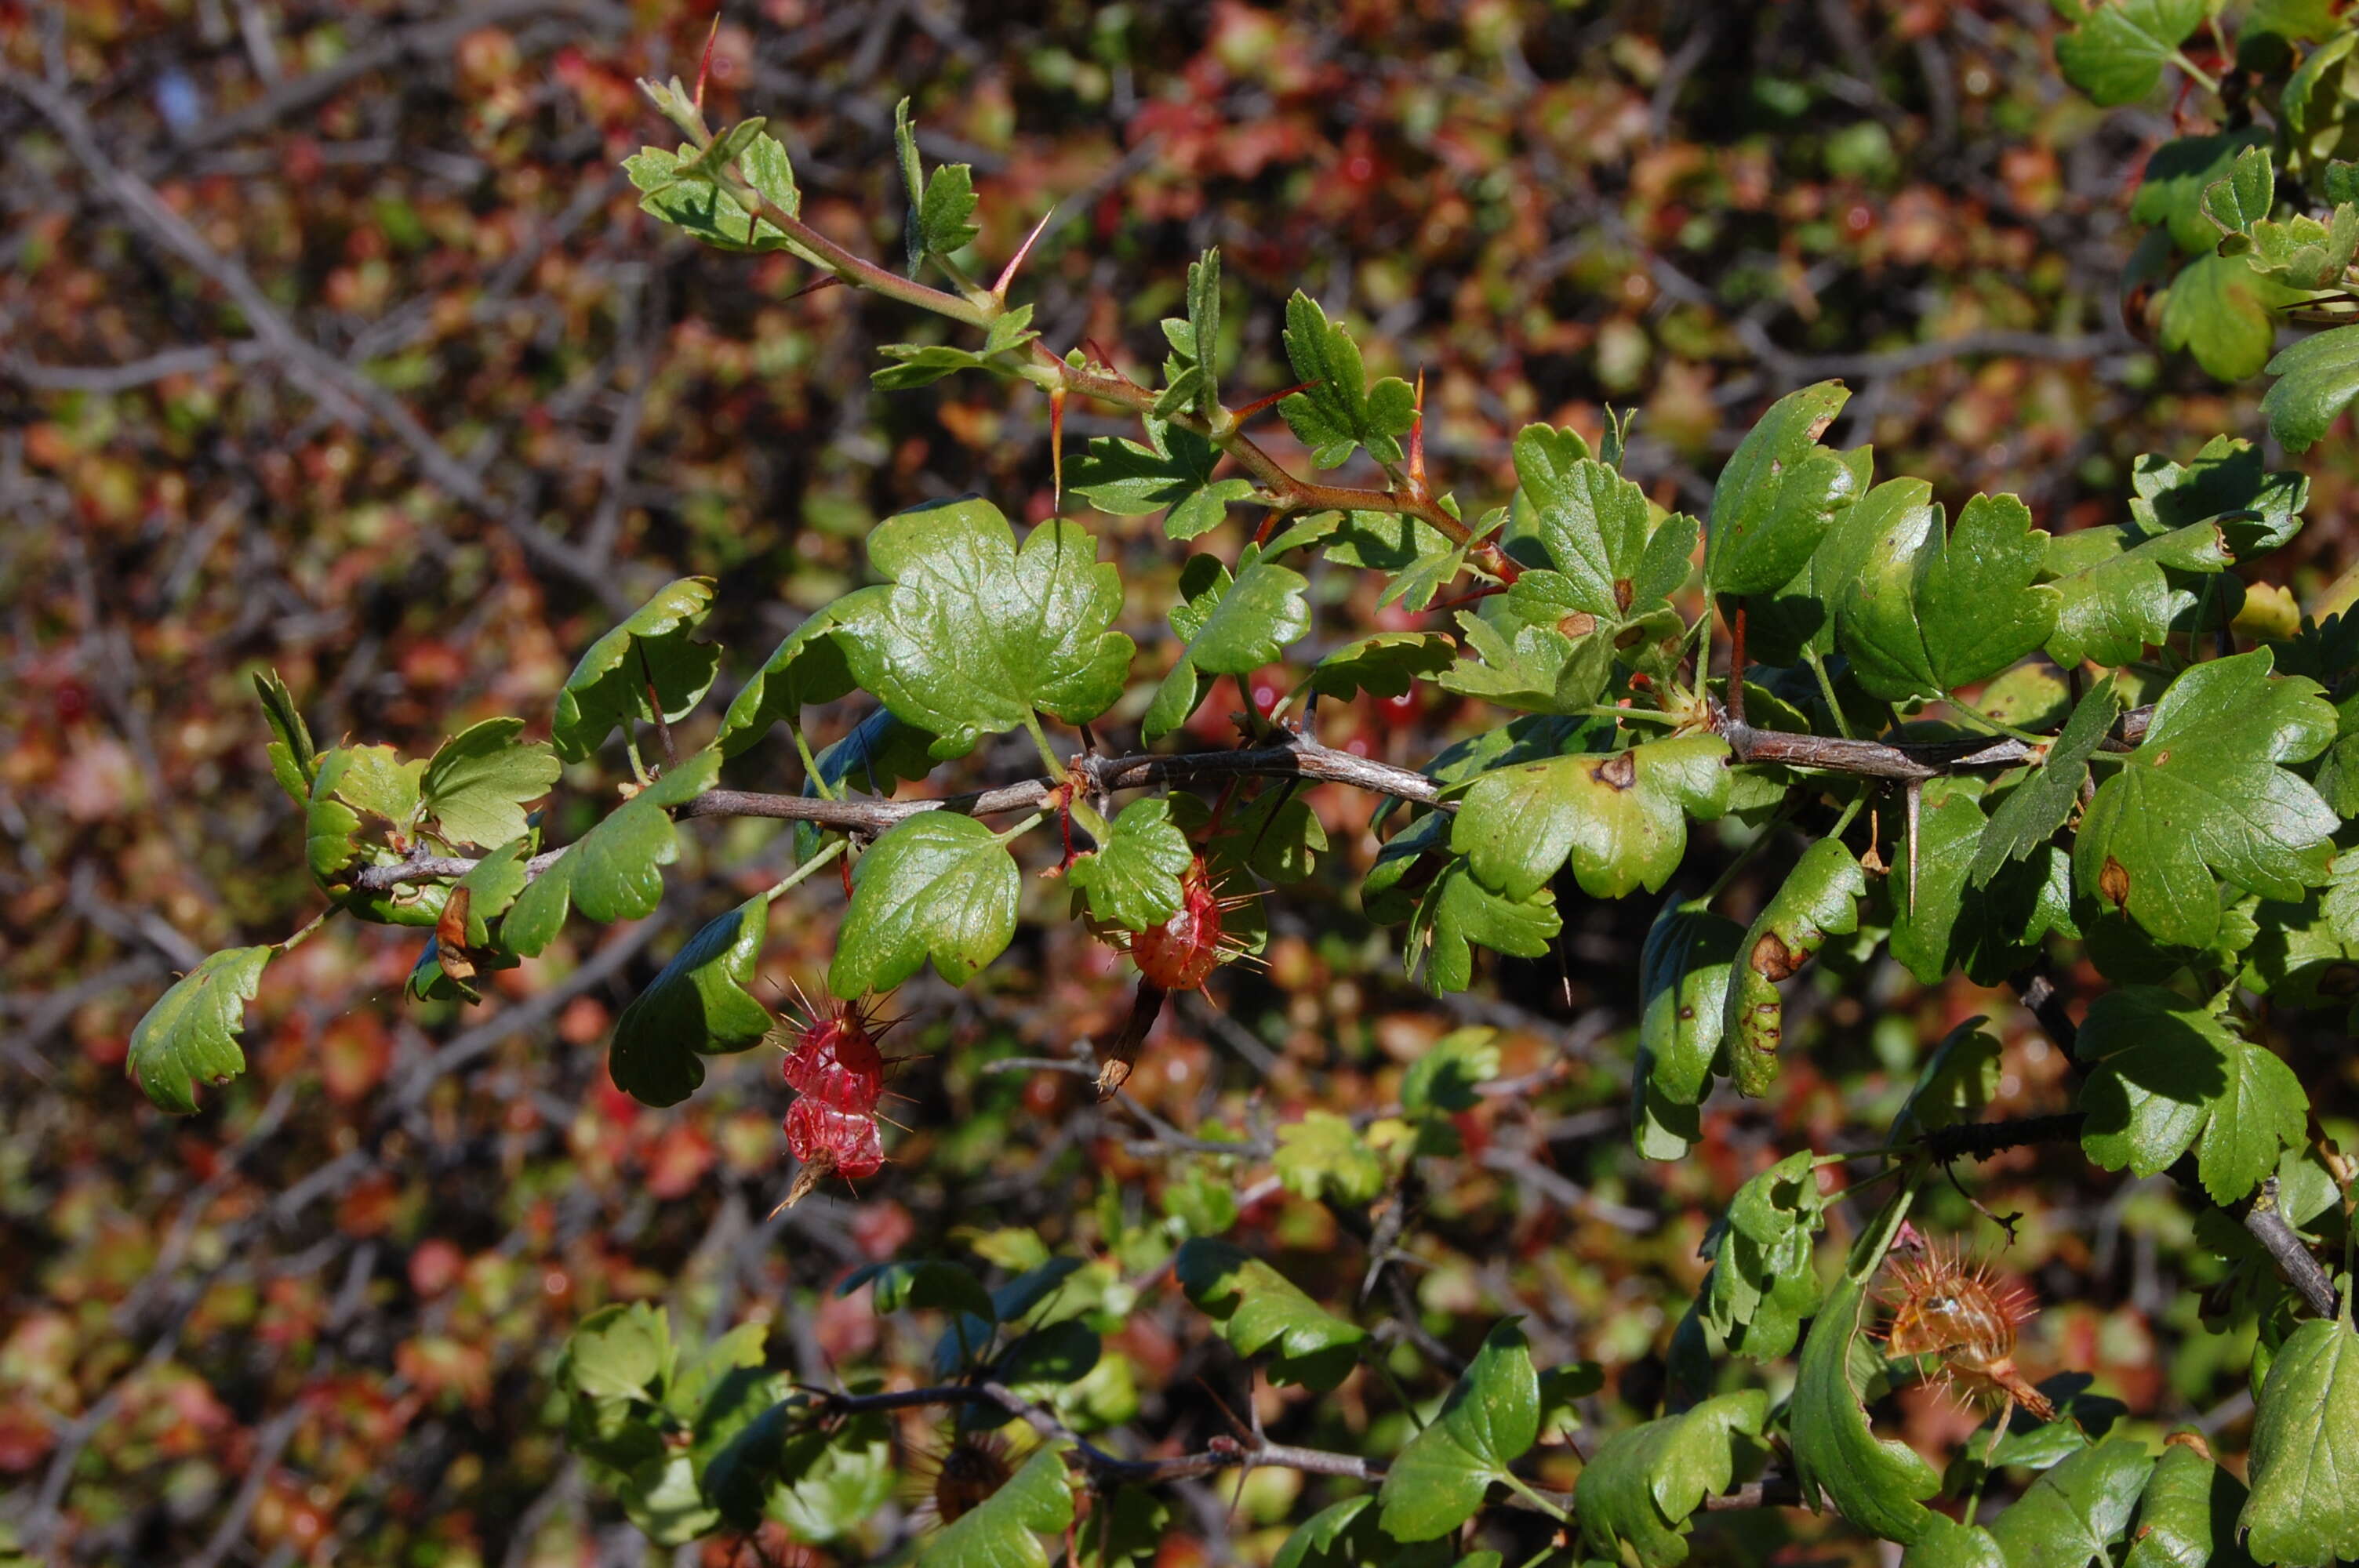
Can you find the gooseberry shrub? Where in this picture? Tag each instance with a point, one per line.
(1973, 744)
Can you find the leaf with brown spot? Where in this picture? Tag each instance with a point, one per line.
(1682, 985)
(1621, 820)
(2208, 797)
(1819, 899)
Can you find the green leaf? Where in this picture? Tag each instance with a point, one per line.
(2244, 196)
(1260, 1311)
(941, 209)
(711, 1391)
(821, 1484)
(661, 1496)
(1383, 664)
(651, 647)
(1127, 1529)
(619, 1352)
(1537, 668)
(1346, 1536)
(293, 757)
(1877, 1483)
(363, 804)
(681, 188)
(2205, 794)
(808, 667)
(1133, 878)
(2043, 802)
(1639, 1489)
(1682, 989)
(1191, 375)
(1932, 609)
(1928, 884)
(2303, 253)
(1321, 1156)
(1005, 1531)
(972, 635)
(1956, 1083)
(1232, 627)
(946, 217)
(940, 886)
(2186, 1515)
(2219, 310)
(475, 785)
(762, 159)
(614, 871)
(1819, 899)
(1009, 330)
(1490, 1419)
(2171, 189)
(1777, 497)
(1448, 1074)
(2316, 379)
(192, 1032)
(1620, 819)
(2304, 1506)
(1339, 411)
(1946, 1543)
(2117, 596)
(1204, 327)
(1763, 1285)
(2224, 479)
(1797, 617)
(913, 182)
(1457, 911)
(1595, 525)
(1274, 835)
(700, 1004)
(1385, 542)
(2074, 1513)
(1042, 1364)
(2169, 1076)
(1173, 470)
(923, 365)
(2116, 56)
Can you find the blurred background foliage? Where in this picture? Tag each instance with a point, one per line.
(331, 339)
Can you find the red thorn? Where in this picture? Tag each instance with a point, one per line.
(1258, 403)
(1097, 353)
(1417, 440)
(1007, 272)
(828, 280)
(704, 66)
(1485, 592)
(1057, 443)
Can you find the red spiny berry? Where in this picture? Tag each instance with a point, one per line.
(832, 1056)
(1180, 954)
(847, 1140)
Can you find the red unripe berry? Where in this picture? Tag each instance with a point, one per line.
(849, 1139)
(835, 1059)
(1180, 954)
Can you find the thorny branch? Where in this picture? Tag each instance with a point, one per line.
(2258, 1212)
(1249, 1451)
(1297, 756)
